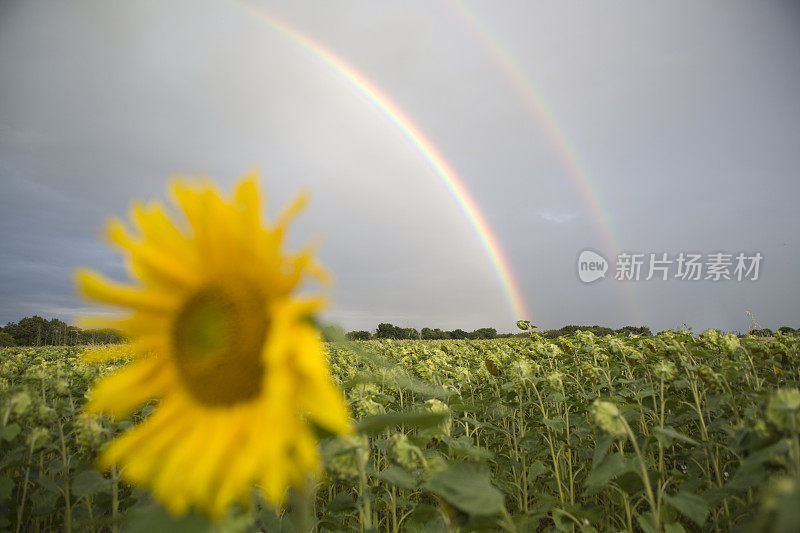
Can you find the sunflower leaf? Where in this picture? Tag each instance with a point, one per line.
(467, 487)
(377, 423)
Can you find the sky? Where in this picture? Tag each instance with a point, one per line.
(616, 127)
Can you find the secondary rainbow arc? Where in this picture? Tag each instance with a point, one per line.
(535, 103)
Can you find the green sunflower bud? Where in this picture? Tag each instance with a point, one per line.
(443, 428)
(22, 403)
(608, 417)
(345, 457)
(89, 431)
(783, 409)
(38, 437)
(731, 343)
(404, 453)
(664, 370)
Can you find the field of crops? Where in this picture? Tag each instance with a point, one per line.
(676, 432)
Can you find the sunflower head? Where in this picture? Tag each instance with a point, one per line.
(222, 344)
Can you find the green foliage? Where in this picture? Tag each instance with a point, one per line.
(6, 339)
(37, 331)
(467, 487)
(642, 331)
(434, 334)
(358, 335)
(673, 432)
(388, 331)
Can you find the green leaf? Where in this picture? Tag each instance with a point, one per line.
(611, 466)
(463, 447)
(6, 486)
(556, 424)
(341, 502)
(399, 477)
(89, 482)
(601, 449)
(647, 523)
(689, 505)
(674, 527)
(468, 488)
(48, 484)
(10, 432)
(377, 423)
(425, 519)
(788, 513)
(715, 495)
(668, 434)
(536, 469)
(751, 471)
(562, 521)
(150, 518)
(644, 393)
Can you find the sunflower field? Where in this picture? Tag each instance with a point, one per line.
(676, 432)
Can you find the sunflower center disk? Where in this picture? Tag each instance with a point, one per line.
(217, 342)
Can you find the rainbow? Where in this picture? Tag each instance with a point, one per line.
(420, 142)
(535, 103)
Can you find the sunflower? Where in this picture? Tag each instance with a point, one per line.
(219, 340)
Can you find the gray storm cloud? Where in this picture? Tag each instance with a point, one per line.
(683, 115)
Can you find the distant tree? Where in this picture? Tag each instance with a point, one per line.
(6, 339)
(483, 333)
(763, 332)
(409, 333)
(386, 331)
(434, 334)
(787, 330)
(634, 330)
(29, 331)
(358, 335)
(458, 334)
(597, 330)
(37, 331)
(99, 336)
(389, 331)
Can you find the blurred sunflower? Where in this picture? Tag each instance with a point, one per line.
(218, 338)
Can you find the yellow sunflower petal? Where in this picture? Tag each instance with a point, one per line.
(326, 407)
(98, 287)
(103, 353)
(125, 391)
(150, 263)
(292, 210)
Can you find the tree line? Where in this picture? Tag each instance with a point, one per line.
(38, 331)
(390, 331)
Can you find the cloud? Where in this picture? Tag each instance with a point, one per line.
(11, 135)
(556, 217)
